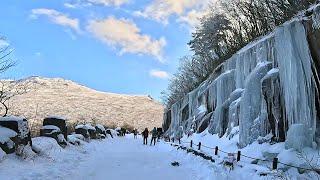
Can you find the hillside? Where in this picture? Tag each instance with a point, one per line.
(56, 96)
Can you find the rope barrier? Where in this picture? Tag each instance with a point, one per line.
(253, 158)
(309, 169)
(208, 147)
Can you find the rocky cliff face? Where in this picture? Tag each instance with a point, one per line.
(266, 87)
(56, 96)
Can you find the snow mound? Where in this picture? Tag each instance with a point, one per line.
(45, 145)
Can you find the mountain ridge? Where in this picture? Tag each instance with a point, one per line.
(57, 96)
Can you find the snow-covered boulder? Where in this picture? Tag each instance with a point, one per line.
(14, 133)
(101, 131)
(92, 131)
(76, 139)
(83, 130)
(53, 132)
(298, 137)
(6, 136)
(57, 121)
(49, 129)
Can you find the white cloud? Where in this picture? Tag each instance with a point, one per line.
(125, 35)
(86, 3)
(3, 43)
(187, 11)
(57, 18)
(109, 2)
(158, 74)
(70, 5)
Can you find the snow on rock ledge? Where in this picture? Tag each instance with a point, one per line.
(6, 134)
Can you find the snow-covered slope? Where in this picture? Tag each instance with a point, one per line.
(56, 96)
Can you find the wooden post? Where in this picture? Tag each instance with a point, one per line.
(275, 163)
(199, 146)
(216, 151)
(191, 144)
(239, 155)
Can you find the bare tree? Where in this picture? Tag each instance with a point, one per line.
(6, 61)
(10, 89)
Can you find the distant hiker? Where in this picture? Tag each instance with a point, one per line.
(145, 135)
(159, 134)
(123, 132)
(154, 136)
(135, 132)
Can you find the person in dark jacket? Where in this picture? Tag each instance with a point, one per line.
(135, 132)
(145, 135)
(154, 136)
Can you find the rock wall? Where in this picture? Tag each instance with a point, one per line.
(266, 87)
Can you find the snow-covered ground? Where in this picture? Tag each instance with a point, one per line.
(126, 158)
(308, 158)
(118, 158)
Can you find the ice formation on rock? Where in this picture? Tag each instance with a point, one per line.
(268, 87)
(298, 137)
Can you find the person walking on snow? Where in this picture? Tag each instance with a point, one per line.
(135, 132)
(145, 135)
(154, 136)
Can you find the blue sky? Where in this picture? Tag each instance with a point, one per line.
(120, 46)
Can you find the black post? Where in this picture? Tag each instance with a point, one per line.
(199, 146)
(239, 155)
(179, 141)
(173, 140)
(191, 144)
(216, 151)
(275, 163)
(169, 139)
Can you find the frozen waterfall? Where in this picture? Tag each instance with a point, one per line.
(267, 87)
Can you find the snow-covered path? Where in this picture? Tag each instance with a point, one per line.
(125, 158)
(118, 158)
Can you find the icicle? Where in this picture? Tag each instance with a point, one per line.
(296, 74)
(225, 85)
(251, 102)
